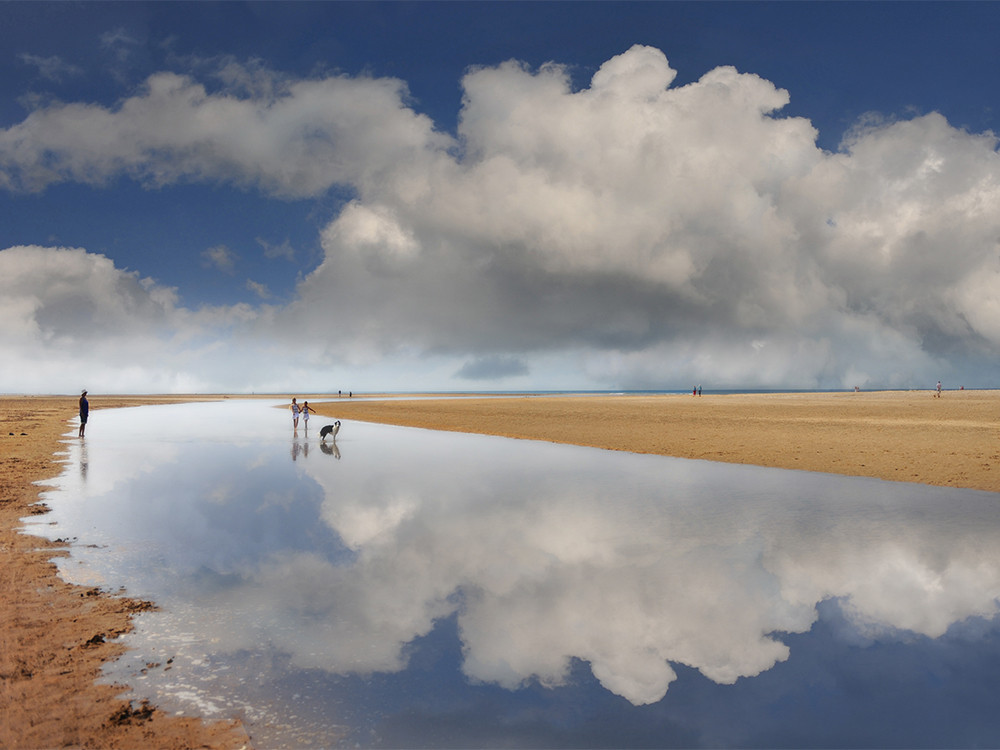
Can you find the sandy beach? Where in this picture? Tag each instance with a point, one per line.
(906, 436)
(54, 636)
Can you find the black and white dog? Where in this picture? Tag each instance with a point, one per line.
(330, 429)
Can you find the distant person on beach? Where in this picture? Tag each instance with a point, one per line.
(295, 414)
(84, 412)
(305, 413)
(938, 394)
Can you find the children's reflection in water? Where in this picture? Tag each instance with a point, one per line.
(302, 447)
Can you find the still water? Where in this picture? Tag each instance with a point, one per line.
(404, 587)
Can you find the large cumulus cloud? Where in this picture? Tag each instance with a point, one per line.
(681, 230)
(628, 233)
(70, 319)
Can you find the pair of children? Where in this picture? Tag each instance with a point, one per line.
(303, 410)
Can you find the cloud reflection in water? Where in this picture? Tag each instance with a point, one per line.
(545, 554)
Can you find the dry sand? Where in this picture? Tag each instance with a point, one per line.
(910, 436)
(54, 636)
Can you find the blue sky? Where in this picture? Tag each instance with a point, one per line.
(359, 196)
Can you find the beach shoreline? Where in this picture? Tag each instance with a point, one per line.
(55, 636)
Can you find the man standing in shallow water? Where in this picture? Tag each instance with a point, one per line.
(84, 411)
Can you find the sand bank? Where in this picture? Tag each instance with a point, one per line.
(910, 436)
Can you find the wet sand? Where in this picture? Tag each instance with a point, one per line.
(54, 636)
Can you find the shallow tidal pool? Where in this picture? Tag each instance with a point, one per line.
(404, 587)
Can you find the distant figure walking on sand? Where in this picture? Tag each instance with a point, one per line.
(84, 412)
(938, 394)
(305, 413)
(295, 414)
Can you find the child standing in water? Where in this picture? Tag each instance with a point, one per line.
(295, 414)
(305, 412)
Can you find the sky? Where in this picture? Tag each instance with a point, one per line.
(313, 197)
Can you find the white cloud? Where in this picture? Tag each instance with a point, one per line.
(119, 43)
(52, 68)
(654, 232)
(312, 135)
(284, 250)
(67, 315)
(672, 227)
(221, 258)
(260, 290)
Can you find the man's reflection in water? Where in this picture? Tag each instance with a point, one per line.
(83, 461)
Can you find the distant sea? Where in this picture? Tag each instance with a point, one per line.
(471, 392)
(654, 392)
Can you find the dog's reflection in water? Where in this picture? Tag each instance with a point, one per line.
(330, 431)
